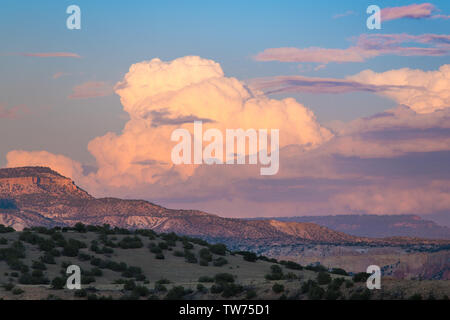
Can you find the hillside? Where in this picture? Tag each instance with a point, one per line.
(141, 264)
(36, 196)
(377, 226)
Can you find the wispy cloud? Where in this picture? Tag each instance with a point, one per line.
(91, 89)
(48, 54)
(13, 112)
(345, 14)
(413, 11)
(366, 47)
(290, 84)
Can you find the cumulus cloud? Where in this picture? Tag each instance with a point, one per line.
(91, 89)
(424, 91)
(413, 11)
(62, 164)
(366, 47)
(364, 166)
(163, 96)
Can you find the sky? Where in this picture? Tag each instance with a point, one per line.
(363, 114)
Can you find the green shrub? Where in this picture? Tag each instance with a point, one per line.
(231, 290)
(277, 288)
(219, 249)
(176, 293)
(364, 295)
(416, 296)
(17, 291)
(205, 255)
(205, 279)
(315, 293)
(224, 278)
(201, 288)
(58, 283)
(339, 271)
(220, 262)
(361, 277)
(160, 287)
(251, 294)
(190, 257)
(178, 253)
(323, 278)
(163, 281)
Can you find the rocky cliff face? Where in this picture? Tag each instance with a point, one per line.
(32, 196)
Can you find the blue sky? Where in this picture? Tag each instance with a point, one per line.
(115, 35)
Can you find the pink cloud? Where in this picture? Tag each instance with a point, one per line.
(366, 47)
(345, 14)
(14, 112)
(413, 11)
(91, 89)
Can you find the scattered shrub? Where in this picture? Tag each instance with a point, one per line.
(277, 288)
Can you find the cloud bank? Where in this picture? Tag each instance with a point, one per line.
(366, 47)
(391, 163)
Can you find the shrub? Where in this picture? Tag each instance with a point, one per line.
(131, 243)
(48, 259)
(315, 293)
(163, 281)
(224, 278)
(220, 262)
(323, 278)
(3, 241)
(178, 253)
(336, 284)
(291, 265)
(160, 287)
(79, 227)
(159, 256)
(190, 257)
(187, 245)
(58, 283)
(80, 293)
(141, 291)
(416, 296)
(231, 290)
(277, 288)
(339, 271)
(249, 256)
(129, 285)
(361, 277)
(156, 250)
(216, 288)
(201, 288)
(176, 293)
(205, 279)
(364, 295)
(17, 291)
(38, 265)
(251, 294)
(8, 286)
(348, 284)
(163, 245)
(4, 229)
(331, 294)
(219, 249)
(205, 255)
(204, 263)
